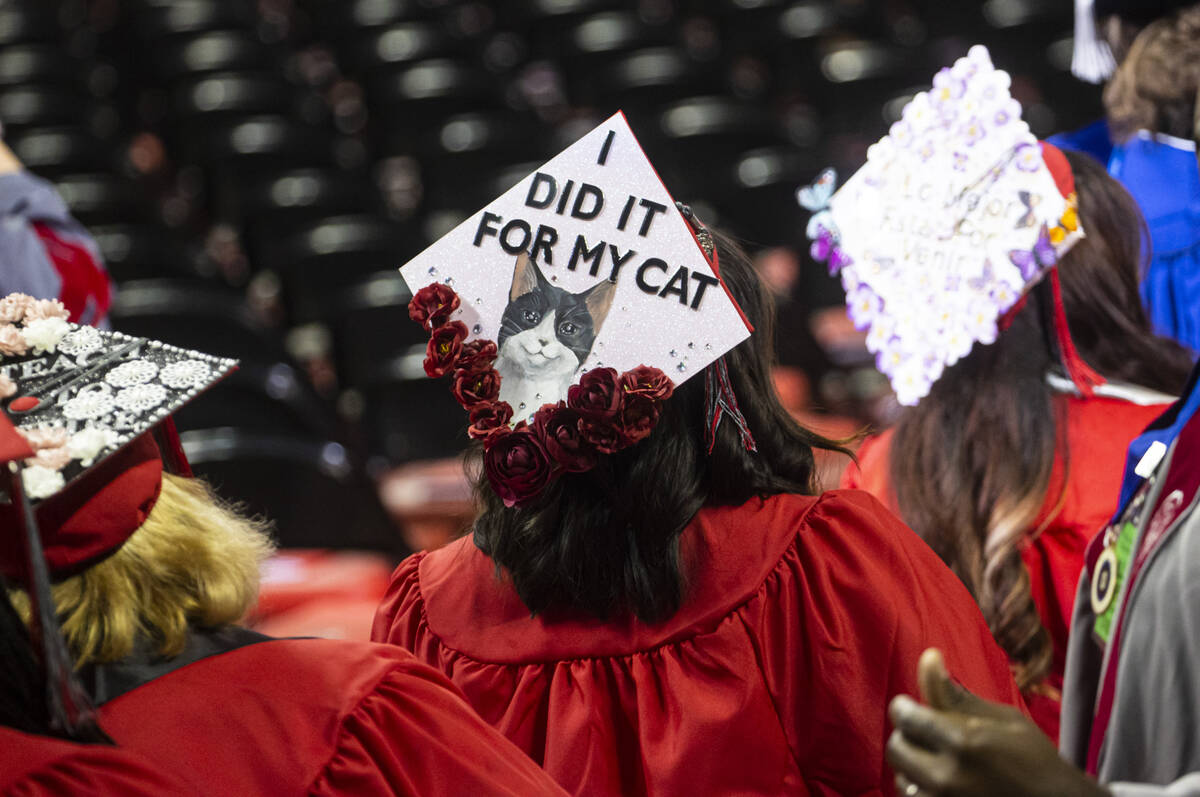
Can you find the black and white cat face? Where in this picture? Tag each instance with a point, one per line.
(546, 331)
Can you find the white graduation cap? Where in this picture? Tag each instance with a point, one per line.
(585, 263)
(954, 216)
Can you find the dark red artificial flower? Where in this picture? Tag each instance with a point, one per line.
(445, 344)
(602, 435)
(432, 305)
(648, 382)
(477, 355)
(557, 426)
(517, 466)
(472, 388)
(638, 417)
(598, 395)
(489, 418)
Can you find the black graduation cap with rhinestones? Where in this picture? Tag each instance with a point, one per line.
(107, 381)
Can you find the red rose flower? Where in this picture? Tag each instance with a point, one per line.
(489, 418)
(557, 426)
(598, 395)
(445, 344)
(648, 382)
(517, 467)
(432, 305)
(472, 388)
(638, 417)
(602, 435)
(477, 355)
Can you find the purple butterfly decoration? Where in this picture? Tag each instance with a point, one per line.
(1033, 262)
(816, 198)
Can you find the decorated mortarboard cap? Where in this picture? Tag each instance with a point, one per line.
(88, 403)
(568, 307)
(956, 214)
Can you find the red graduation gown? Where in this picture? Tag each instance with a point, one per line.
(321, 717)
(804, 616)
(1099, 431)
(41, 766)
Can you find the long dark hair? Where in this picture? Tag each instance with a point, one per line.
(971, 464)
(607, 541)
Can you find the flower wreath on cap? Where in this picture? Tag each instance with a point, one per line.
(604, 413)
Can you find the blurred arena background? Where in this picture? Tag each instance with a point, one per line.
(255, 171)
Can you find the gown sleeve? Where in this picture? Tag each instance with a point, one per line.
(414, 734)
(47, 253)
(33, 766)
(842, 622)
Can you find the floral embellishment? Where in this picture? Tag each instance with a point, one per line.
(604, 413)
(53, 458)
(185, 374)
(41, 482)
(134, 372)
(1029, 158)
(87, 444)
(81, 340)
(433, 305)
(518, 467)
(12, 342)
(13, 307)
(88, 404)
(42, 437)
(43, 334)
(445, 345)
(474, 387)
(40, 309)
(974, 132)
(488, 418)
(557, 426)
(863, 306)
(139, 398)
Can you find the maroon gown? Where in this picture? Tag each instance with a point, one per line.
(804, 616)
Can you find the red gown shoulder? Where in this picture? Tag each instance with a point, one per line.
(804, 616)
(41, 766)
(314, 716)
(1098, 433)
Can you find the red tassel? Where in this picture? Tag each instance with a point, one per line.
(1086, 379)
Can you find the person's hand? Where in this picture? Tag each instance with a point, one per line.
(961, 744)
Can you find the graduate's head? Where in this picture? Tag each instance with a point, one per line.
(606, 541)
(194, 561)
(972, 463)
(1155, 87)
(1120, 22)
(89, 497)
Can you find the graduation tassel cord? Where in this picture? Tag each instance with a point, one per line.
(720, 401)
(1086, 379)
(70, 710)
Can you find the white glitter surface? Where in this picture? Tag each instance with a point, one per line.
(641, 328)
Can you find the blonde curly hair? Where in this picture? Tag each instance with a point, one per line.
(195, 561)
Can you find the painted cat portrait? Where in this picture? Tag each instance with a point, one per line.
(546, 333)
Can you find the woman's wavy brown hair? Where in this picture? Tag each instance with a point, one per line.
(1156, 85)
(971, 464)
(195, 561)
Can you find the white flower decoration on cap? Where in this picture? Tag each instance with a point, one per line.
(87, 444)
(954, 216)
(43, 334)
(41, 482)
